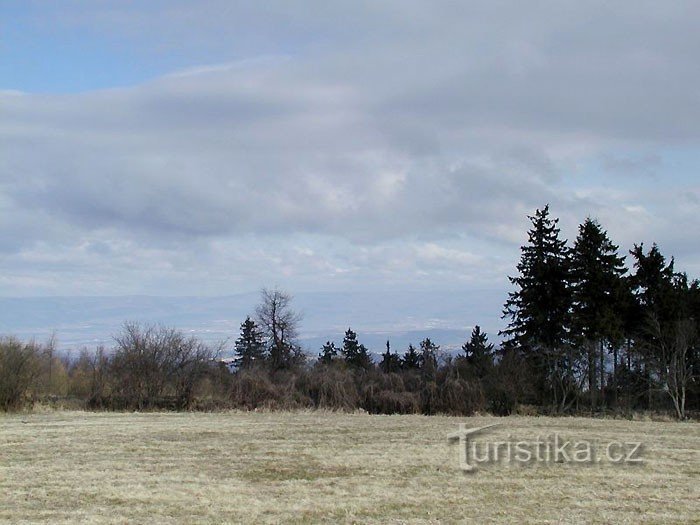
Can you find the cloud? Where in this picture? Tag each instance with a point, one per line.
(645, 165)
(428, 128)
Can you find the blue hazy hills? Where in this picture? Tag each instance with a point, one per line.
(402, 317)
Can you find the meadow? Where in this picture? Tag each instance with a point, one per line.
(307, 467)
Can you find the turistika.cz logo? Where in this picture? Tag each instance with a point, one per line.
(549, 449)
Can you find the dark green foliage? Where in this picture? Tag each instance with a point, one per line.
(662, 294)
(390, 363)
(652, 284)
(250, 346)
(597, 286)
(667, 337)
(478, 353)
(328, 353)
(539, 307)
(427, 360)
(355, 354)
(410, 359)
(539, 310)
(599, 301)
(652, 276)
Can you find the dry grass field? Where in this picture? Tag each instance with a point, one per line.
(71, 467)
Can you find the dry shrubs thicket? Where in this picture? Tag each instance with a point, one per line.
(155, 368)
(158, 368)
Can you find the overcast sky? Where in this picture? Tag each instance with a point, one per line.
(211, 147)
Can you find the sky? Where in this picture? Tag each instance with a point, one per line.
(214, 147)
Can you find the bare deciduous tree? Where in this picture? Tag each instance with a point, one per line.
(276, 316)
(674, 344)
(192, 361)
(19, 368)
(280, 324)
(152, 363)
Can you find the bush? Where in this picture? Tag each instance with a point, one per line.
(253, 388)
(88, 378)
(460, 397)
(19, 371)
(158, 367)
(391, 402)
(331, 387)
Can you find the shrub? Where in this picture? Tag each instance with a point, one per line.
(391, 402)
(460, 397)
(19, 371)
(156, 367)
(331, 387)
(253, 388)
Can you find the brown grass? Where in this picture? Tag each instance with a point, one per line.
(68, 467)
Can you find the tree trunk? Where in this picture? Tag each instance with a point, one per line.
(591, 375)
(615, 349)
(647, 376)
(629, 354)
(682, 414)
(602, 373)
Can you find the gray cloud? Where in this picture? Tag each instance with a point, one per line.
(354, 132)
(645, 165)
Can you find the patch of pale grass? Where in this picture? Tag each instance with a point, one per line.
(68, 467)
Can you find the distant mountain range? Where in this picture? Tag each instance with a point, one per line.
(401, 317)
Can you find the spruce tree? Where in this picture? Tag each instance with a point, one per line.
(328, 353)
(356, 355)
(250, 346)
(428, 359)
(653, 282)
(596, 274)
(478, 353)
(653, 285)
(539, 308)
(598, 297)
(390, 363)
(410, 359)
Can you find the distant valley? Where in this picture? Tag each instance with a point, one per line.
(401, 317)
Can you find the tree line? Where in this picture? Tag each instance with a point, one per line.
(594, 332)
(584, 333)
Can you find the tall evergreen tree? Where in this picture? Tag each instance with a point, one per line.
(428, 359)
(632, 314)
(654, 284)
(674, 343)
(355, 354)
(328, 353)
(694, 314)
(598, 297)
(390, 363)
(250, 346)
(478, 353)
(410, 359)
(539, 308)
